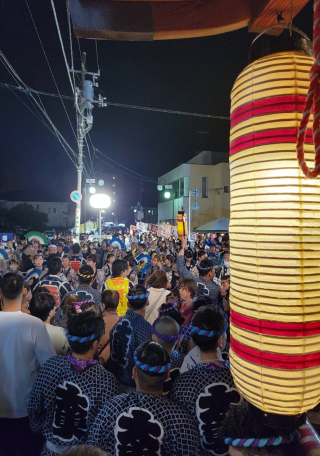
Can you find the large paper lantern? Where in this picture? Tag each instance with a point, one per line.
(275, 239)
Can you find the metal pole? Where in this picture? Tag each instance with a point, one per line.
(189, 218)
(100, 224)
(85, 209)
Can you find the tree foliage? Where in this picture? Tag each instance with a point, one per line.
(25, 216)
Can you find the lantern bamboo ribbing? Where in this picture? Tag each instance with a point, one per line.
(275, 239)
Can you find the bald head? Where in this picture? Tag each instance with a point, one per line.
(166, 326)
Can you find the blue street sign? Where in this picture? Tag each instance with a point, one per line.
(75, 196)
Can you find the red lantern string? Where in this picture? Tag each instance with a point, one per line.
(312, 101)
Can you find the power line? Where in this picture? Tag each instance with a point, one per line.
(39, 107)
(47, 60)
(61, 42)
(140, 176)
(123, 172)
(145, 108)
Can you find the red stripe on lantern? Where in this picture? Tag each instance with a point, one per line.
(273, 360)
(275, 328)
(268, 106)
(279, 135)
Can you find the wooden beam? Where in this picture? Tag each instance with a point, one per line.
(266, 15)
(147, 20)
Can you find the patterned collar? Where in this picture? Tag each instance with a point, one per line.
(214, 364)
(80, 365)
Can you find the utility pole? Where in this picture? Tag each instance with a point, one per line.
(84, 103)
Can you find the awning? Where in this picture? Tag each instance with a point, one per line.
(220, 225)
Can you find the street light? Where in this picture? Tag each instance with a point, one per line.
(92, 190)
(100, 201)
(167, 195)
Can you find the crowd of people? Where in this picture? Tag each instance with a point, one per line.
(122, 349)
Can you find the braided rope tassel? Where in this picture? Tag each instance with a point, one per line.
(260, 443)
(312, 100)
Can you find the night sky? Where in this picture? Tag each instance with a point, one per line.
(194, 75)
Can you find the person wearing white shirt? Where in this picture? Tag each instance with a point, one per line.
(24, 347)
(42, 306)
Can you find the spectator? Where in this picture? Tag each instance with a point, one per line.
(110, 302)
(24, 346)
(42, 306)
(158, 292)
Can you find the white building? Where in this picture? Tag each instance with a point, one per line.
(208, 171)
(59, 212)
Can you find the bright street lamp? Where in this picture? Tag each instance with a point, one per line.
(92, 190)
(100, 201)
(167, 195)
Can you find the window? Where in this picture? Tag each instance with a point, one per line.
(186, 186)
(204, 187)
(54, 210)
(49, 210)
(226, 189)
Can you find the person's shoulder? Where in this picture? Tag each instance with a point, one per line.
(114, 403)
(54, 362)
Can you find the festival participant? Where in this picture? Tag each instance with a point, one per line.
(99, 275)
(132, 272)
(85, 251)
(107, 268)
(70, 390)
(55, 240)
(110, 302)
(166, 331)
(120, 283)
(225, 290)
(145, 422)
(26, 298)
(157, 284)
(72, 306)
(102, 252)
(207, 390)
(42, 306)
(245, 434)
(187, 291)
(53, 280)
(84, 291)
(33, 275)
(52, 250)
(69, 273)
(206, 272)
(24, 346)
(155, 265)
(188, 258)
(130, 331)
(172, 250)
(75, 254)
(175, 277)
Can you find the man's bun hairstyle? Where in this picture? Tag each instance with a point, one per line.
(85, 274)
(84, 325)
(211, 318)
(205, 266)
(138, 297)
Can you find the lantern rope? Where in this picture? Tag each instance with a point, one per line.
(312, 101)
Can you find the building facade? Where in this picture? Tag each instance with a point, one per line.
(60, 213)
(209, 172)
